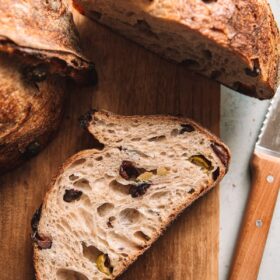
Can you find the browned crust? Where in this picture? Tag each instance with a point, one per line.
(172, 217)
(44, 32)
(244, 28)
(30, 113)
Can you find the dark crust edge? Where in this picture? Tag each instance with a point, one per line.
(82, 70)
(273, 69)
(43, 138)
(172, 217)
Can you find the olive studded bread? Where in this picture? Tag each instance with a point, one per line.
(106, 207)
(31, 105)
(43, 32)
(235, 42)
(38, 43)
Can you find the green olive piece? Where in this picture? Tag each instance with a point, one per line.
(202, 161)
(146, 176)
(103, 264)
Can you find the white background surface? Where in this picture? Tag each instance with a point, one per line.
(241, 119)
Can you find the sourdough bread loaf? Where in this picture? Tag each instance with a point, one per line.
(235, 42)
(38, 43)
(106, 207)
(31, 103)
(43, 32)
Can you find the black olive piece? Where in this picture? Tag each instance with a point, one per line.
(71, 195)
(186, 128)
(31, 150)
(255, 72)
(221, 153)
(36, 219)
(128, 171)
(86, 118)
(216, 173)
(252, 72)
(42, 242)
(35, 74)
(107, 263)
(191, 191)
(86, 77)
(139, 189)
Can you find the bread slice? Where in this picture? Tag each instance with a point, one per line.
(235, 42)
(43, 32)
(30, 110)
(106, 207)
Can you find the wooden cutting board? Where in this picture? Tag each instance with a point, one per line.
(131, 81)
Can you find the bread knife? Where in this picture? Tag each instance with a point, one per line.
(265, 168)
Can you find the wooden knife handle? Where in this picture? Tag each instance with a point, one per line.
(257, 218)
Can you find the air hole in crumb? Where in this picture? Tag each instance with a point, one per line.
(64, 224)
(157, 138)
(142, 236)
(137, 139)
(78, 162)
(159, 195)
(82, 184)
(73, 177)
(119, 188)
(108, 176)
(191, 191)
(85, 200)
(180, 193)
(163, 153)
(174, 132)
(67, 274)
(129, 216)
(209, 1)
(99, 158)
(105, 209)
(110, 124)
(91, 252)
(124, 255)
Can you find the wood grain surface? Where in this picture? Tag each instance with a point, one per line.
(131, 81)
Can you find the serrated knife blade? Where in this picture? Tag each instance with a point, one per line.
(269, 139)
(265, 166)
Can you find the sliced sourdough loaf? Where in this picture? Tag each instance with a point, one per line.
(106, 207)
(235, 42)
(43, 32)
